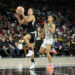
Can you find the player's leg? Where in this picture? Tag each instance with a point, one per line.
(27, 39)
(41, 51)
(48, 48)
(47, 51)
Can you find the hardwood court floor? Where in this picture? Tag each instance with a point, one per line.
(13, 63)
(20, 66)
(67, 70)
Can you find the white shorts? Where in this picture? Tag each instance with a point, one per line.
(47, 42)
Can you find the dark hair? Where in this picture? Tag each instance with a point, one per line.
(32, 10)
(55, 17)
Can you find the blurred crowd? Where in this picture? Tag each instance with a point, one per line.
(11, 33)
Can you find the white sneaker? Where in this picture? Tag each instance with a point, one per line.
(32, 66)
(30, 53)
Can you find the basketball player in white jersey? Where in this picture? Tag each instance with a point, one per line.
(49, 29)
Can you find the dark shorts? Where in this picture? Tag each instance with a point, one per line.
(33, 36)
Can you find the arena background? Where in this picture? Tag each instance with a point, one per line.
(64, 61)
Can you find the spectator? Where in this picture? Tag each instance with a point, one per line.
(64, 27)
(4, 47)
(73, 34)
(38, 42)
(66, 45)
(57, 46)
(73, 41)
(18, 47)
(12, 46)
(72, 48)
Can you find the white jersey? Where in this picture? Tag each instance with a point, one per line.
(48, 35)
(48, 38)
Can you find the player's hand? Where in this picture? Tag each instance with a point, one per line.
(45, 25)
(17, 16)
(22, 13)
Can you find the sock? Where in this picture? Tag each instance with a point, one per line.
(32, 60)
(30, 48)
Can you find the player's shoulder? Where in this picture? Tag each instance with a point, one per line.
(53, 25)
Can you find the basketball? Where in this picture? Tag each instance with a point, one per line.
(20, 10)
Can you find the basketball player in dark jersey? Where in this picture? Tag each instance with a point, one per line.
(30, 20)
